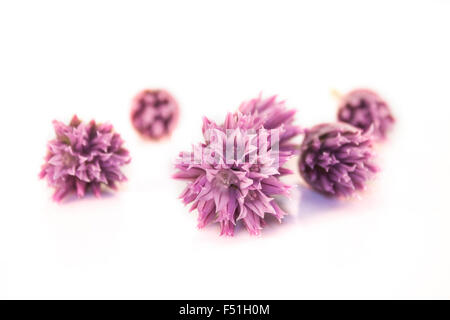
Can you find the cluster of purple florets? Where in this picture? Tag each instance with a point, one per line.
(234, 174)
(82, 157)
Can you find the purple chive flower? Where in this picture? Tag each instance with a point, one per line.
(363, 108)
(234, 175)
(83, 157)
(154, 113)
(272, 114)
(337, 159)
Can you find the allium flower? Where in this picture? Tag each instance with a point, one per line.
(337, 159)
(83, 157)
(154, 113)
(272, 114)
(364, 109)
(234, 175)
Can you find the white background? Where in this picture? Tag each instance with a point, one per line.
(58, 58)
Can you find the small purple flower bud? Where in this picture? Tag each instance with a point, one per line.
(336, 159)
(83, 157)
(154, 113)
(363, 108)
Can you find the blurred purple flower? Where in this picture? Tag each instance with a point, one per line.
(82, 157)
(154, 113)
(234, 175)
(363, 108)
(337, 159)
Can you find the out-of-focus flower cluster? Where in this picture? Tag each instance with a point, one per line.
(154, 113)
(366, 110)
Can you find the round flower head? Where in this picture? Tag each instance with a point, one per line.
(83, 157)
(154, 113)
(337, 159)
(364, 109)
(234, 175)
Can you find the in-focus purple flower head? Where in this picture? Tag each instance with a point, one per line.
(234, 174)
(337, 159)
(365, 109)
(154, 113)
(82, 157)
